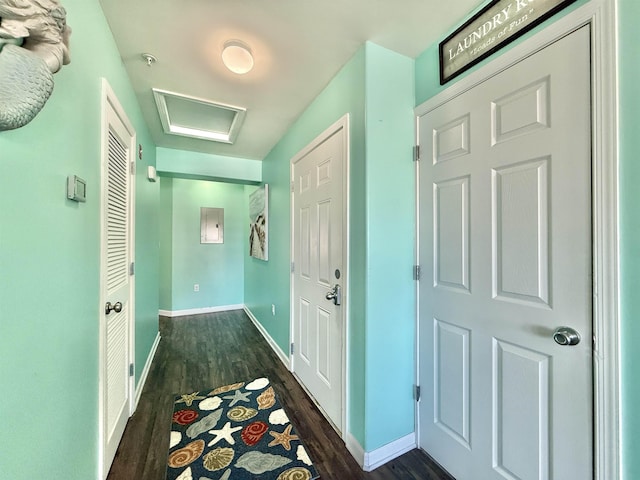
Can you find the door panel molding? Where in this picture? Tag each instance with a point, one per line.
(340, 124)
(601, 16)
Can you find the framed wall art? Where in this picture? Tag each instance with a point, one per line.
(259, 223)
(493, 27)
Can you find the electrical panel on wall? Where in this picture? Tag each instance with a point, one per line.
(211, 225)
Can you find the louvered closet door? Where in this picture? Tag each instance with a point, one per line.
(116, 279)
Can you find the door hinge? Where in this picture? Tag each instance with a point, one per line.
(416, 272)
(132, 268)
(131, 372)
(291, 348)
(133, 168)
(416, 391)
(416, 153)
(293, 267)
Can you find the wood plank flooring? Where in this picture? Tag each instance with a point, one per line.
(204, 351)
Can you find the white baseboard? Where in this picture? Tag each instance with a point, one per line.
(199, 311)
(369, 461)
(274, 346)
(145, 370)
(355, 449)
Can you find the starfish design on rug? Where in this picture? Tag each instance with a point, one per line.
(225, 433)
(189, 398)
(237, 396)
(283, 438)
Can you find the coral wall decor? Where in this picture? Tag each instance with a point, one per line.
(34, 44)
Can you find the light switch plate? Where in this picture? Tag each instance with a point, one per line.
(151, 173)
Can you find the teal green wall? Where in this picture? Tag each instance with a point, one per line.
(268, 283)
(629, 38)
(376, 89)
(217, 267)
(203, 166)
(390, 238)
(147, 235)
(166, 242)
(49, 264)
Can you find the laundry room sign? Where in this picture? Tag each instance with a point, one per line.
(493, 27)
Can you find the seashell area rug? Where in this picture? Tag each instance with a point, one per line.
(235, 432)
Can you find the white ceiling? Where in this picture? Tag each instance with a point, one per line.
(298, 46)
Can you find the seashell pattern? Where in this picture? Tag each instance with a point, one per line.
(185, 417)
(297, 473)
(175, 439)
(266, 399)
(265, 445)
(207, 423)
(210, 403)
(227, 388)
(258, 384)
(258, 462)
(186, 475)
(218, 459)
(302, 455)
(253, 433)
(186, 455)
(240, 414)
(278, 417)
(189, 398)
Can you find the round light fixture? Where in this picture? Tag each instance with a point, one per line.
(237, 57)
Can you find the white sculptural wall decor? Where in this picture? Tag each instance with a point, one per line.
(34, 44)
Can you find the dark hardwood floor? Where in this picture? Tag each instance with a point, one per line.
(205, 351)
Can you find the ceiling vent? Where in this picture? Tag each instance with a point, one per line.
(198, 118)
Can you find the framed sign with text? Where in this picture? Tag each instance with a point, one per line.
(493, 27)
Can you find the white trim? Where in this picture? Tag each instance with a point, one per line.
(170, 128)
(199, 311)
(145, 370)
(355, 449)
(601, 15)
(344, 124)
(272, 343)
(108, 99)
(369, 461)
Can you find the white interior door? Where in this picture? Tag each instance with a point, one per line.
(117, 283)
(505, 244)
(317, 203)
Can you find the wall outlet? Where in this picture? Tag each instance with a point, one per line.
(196, 287)
(273, 310)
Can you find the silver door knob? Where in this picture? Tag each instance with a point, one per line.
(566, 336)
(335, 294)
(116, 307)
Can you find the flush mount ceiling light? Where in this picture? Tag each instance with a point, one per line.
(237, 57)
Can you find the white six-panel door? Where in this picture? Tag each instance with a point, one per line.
(317, 203)
(505, 247)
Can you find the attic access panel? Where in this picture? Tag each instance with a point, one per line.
(198, 118)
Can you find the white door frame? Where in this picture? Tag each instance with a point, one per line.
(109, 99)
(342, 123)
(601, 16)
